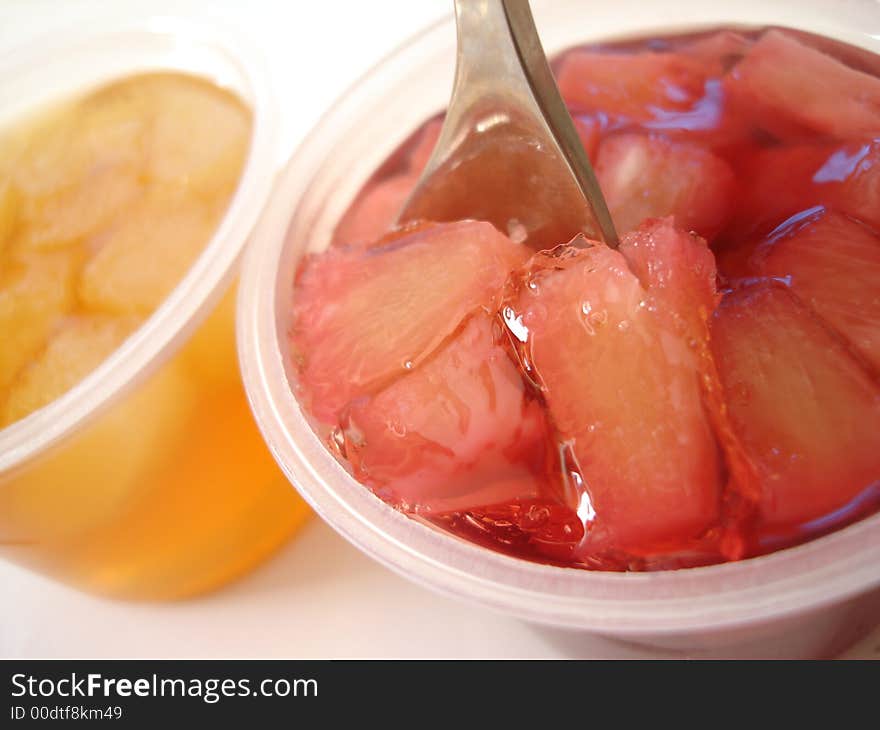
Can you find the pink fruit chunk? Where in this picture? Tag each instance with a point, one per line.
(716, 121)
(807, 412)
(678, 270)
(777, 183)
(849, 180)
(377, 206)
(647, 176)
(631, 85)
(783, 181)
(676, 266)
(719, 51)
(832, 263)
(789, 80)
(363, 317)
(373, 214)
(457, 433)
(588, 130)
(623, 393)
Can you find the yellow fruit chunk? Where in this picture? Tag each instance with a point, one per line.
(143, 257)
(78, 347)
(35, 291)
(76, 170)
(113, 125)
(200, 137)
(79, 210)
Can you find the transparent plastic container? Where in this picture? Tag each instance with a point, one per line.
(811, 600)
(149, 478)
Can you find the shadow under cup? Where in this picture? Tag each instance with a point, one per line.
(805, 601)
(149, 479)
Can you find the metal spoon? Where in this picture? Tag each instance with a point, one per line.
(508, 151)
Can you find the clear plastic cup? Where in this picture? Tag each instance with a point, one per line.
(149, 478)
(805, 601)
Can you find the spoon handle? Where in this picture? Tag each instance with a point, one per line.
(537, 72)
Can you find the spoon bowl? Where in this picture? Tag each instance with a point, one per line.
(509, 152)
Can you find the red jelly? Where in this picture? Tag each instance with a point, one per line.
(710, 391)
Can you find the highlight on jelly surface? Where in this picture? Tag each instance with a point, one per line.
(106, 200)
(708, 392)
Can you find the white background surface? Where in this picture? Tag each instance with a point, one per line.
(319, 597)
